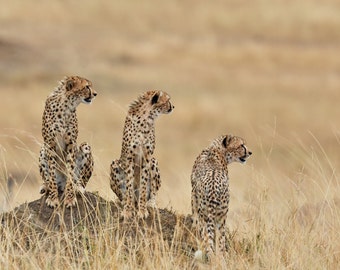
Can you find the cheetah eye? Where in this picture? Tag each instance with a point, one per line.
(88, 88)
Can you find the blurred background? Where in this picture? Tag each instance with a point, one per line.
(268, 71)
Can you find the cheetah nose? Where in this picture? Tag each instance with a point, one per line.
(249, 153)
(95, 93)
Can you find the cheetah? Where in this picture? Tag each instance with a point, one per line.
(65, 167)
(135, 177)
(210, 188)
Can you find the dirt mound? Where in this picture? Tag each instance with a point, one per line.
(35, 220)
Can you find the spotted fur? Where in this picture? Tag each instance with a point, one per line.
(64, 167)
(210, 188)
(135, 177)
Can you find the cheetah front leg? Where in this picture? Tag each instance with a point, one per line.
(84, 166)
(44, 170)
(52, 199)
(117, 179)
(128, 198)
(155, 184)
(70, 195)
(145, 178)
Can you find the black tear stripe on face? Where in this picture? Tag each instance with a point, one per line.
(245, 150)
(171, 108)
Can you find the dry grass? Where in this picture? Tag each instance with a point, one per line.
(267, 71)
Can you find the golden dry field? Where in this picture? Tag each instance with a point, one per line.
(268, 71)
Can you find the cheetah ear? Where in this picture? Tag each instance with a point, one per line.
(155, 98)
(69, 84)
(226, 140)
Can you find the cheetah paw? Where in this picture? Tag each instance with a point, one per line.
(152, 203)
(80, 189)
(52, 202)
(70, 202)
(143, 213)
(194, 222)
(42, 189)
(126, 213)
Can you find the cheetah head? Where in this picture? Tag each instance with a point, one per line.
(235, 149)
(79, 89)
(160, 102)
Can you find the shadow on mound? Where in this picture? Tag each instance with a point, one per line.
(33, 221)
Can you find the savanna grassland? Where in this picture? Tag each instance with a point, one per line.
(268, 71)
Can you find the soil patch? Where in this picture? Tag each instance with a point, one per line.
(95, 215)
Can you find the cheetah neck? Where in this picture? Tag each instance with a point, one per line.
(217, 142)
(217, 156)
(136, 106)
(71, 101)
(68, 101)
(59, 90)
(142, 112)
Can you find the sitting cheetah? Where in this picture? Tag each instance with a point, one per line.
(135, 176)
(62, 164)
(210, 187)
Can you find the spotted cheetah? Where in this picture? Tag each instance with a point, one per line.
(210, 188)
(135, 177)
(64, 166)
